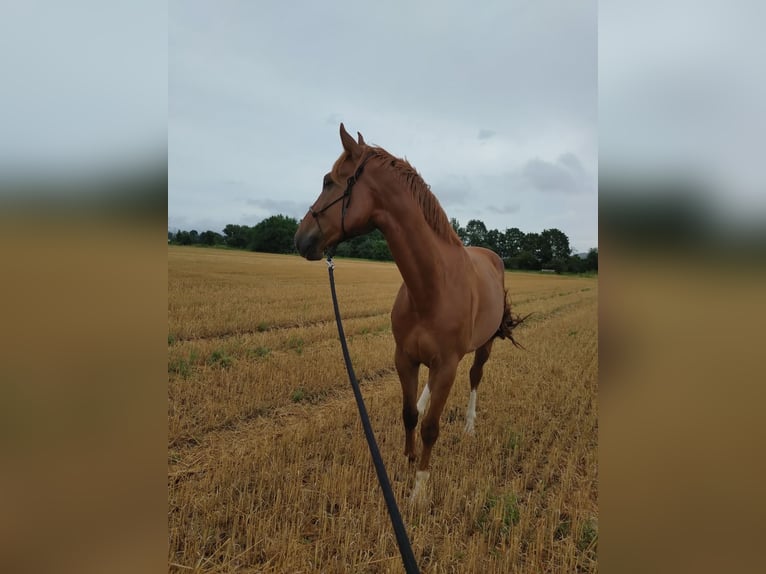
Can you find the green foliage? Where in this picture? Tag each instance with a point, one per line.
(181, 238)
(274, 235)
(211, 238)
(259, 352)
(558, 243)
(458, 229)
(193, 237)
(510, 243)
(303, 395)
(513, 441)
(588, 535)
(509, 512)
(237, 236)
(492, 240)
(220, 359)
(563, 529)
(181, 367)
(591, 261)
(295, 343)
(371, 246)
(549, 249)
(476, 233)
(530, 260)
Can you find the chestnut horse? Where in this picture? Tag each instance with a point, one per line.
(453, 300)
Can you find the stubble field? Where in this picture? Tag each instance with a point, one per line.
(268, 469)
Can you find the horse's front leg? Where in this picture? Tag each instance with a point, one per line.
(440, 380)
(408, 377)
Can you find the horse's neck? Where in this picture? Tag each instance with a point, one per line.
(417, 250)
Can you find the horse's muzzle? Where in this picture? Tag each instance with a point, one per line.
(308, 245)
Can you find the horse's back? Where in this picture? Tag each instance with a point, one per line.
(482, 256)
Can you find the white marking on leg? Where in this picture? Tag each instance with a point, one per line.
(470, 413)
(421, 477)
(423, 400)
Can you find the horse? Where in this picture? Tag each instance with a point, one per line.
(453, 300)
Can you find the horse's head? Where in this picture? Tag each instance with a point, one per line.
(344, 207)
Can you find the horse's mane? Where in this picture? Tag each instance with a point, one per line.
(421, 192)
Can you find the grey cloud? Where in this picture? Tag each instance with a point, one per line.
(571, 161)
(485, 134)
(285, 207)
(566, 175)
(454, 190)
(505, 209)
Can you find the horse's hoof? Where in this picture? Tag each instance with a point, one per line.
(418, 495)
(469, 430)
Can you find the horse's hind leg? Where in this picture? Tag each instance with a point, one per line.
(408, 377)
(477, 370)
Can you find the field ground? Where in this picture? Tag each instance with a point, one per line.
(268, 469)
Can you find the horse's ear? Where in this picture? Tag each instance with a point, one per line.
(348, 142)
(360, 141)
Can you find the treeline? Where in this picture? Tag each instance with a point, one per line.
(272, 235)
(549, 249)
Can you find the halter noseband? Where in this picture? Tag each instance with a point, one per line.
(350, 182)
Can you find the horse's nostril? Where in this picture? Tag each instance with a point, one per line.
(305, 242)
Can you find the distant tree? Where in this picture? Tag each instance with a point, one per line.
(519, 250)
(370, 246)
(591, 261)
(182, 238)
(274, 235)
(544, 250)
(502, 246)
(458, 229)
(476, 233)
(492, 240)
(511, 262)
(211, 238)
(381, 251)
(559, 244)
(237, 235)
(528, 260)
(513, 240)
(531, 245)
(374, 246)
(575, 264)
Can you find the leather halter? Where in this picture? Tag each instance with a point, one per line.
(350, 182)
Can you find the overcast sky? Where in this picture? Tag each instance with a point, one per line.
(495, 104)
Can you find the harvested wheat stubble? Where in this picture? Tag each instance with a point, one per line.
(268, 470)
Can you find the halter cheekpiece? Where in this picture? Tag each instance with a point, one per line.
(350, 182)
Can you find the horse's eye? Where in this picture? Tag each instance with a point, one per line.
(327, 181)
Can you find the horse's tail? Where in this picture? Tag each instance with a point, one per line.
(510, 322)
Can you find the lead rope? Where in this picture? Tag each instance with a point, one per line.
(408, 559)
